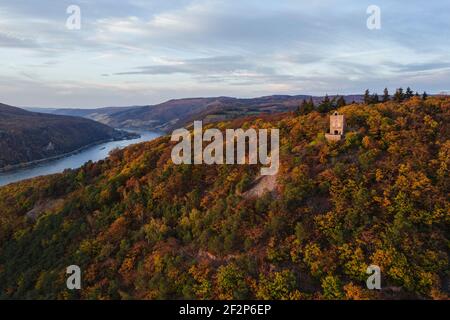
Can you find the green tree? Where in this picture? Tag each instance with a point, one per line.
(386, 96)
(367, 97)
(332, 288)
(340, 102)
(326, 105)
(277, 286)
(399, 96)
(375, 98)
(231, 283)
(306, 107)
(409, 93)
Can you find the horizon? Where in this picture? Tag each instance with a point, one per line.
(138, 53)
(391, 92)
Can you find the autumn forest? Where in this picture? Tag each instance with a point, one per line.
(141, 227)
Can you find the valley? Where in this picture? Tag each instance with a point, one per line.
(27, 138)
(178, 113)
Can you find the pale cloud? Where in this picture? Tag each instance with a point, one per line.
(142, 52)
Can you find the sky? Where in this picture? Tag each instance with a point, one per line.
(140, 52)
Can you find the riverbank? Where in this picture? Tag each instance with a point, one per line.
(75, 159)
(25, 165)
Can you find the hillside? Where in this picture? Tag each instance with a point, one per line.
(177, 113)
(27, 136)
(141, 227)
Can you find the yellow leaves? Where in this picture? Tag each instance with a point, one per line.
(231, 282)
(127, 265)
(437, 294)
(354, 292)
(379, 175)
(117, 230)
(278, 286)
(295, 251)
(19, 234)
(396, 272)
(430, 122)
(353, 261)
(278, 251)
(378, 200)
(401, 122)
(331, 286)
(159, 191)
(297, 149)
(233, 176)
(374, 121)
(352, 139)
(299, 172)
(88, 247)
(402, 183)
(323, 154)
(382, 258)
(184, 222)
(395, 266)
(412, 181)
(366, 142)
(126, 171)
(312, 254)
(40, 281)
(420, 184)
(444, 159)
(158, 262)
(404, 169)
(155, 230)
(90, 274)
(106, 195)
(318, 261)
(386, 202)
(201, 273)
(326, 222)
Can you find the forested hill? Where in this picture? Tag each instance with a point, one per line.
(141, 227)
(177, 113)
(28, 136)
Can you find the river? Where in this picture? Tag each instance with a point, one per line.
(94, 153)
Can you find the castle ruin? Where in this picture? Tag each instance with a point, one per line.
(337, 127)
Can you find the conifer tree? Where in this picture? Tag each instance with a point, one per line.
(386, 96)
(367, 98)
(341, 102)
(409, 93)
(305, 107)
(399, 96)
(325, 106)
(311, 103)
(375, 98)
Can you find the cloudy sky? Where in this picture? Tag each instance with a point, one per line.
(137, 52)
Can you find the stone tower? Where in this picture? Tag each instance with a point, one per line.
(337, 127)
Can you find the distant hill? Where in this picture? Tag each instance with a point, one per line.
(179, 112)
(28, 136)
(87, 113)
